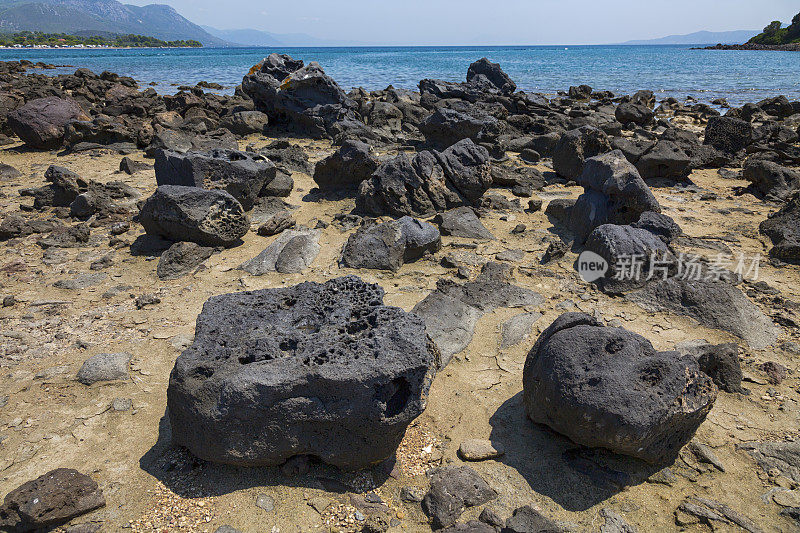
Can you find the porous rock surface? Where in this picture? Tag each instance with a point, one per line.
(316, 369)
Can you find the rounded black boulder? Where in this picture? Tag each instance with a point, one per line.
(608, 387)
(325, 370)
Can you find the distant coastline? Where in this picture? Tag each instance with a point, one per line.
(794, 47)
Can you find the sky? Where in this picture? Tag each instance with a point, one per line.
(473, 22)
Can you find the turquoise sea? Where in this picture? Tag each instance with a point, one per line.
(739, 76)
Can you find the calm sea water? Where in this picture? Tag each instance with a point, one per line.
(740, 76)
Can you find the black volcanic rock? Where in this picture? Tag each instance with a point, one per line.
(428, 183)
(208, 218)
(41, 123)
(783, 229)
(575, 146)
(493, 73)
(728, 134)
(346, 168)
(608, 387)
(303, 98)
(316, 369)
(49, 501)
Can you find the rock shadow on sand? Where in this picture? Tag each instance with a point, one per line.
(575, 477)
(190, 477)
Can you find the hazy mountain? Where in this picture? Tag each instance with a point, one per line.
(250, 37)
(109, 16)
(703, 37)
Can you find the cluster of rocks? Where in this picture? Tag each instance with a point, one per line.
(327, 370)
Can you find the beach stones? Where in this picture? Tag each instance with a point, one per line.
(608, 387)
(575, 146)
(346, 168)
(41, 123)
(316, 369)
(445, 127)
(49, 501)
(614, 193)
(783, 229)
(292, 252)
(462, 222)
(664, 160)
(242, 174)
(180, 259)
(208, 218)
(245, 122)
(428, 183)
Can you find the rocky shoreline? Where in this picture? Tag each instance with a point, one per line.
(300, 308)
(753, 46)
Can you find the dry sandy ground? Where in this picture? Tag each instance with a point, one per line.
(50, 420)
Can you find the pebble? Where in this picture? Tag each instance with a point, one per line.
(122, 404)
(412, 494)
(479, 450)
(104, 367)
(319, 503)
(265, 501)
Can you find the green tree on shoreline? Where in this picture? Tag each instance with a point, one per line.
(775, 34)
(29, 38)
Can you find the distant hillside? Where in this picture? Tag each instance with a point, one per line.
(701, 37)
(81, 17)
(250, 37)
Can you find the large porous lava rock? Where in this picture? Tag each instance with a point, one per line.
(728, 134)
(715, 304)
(346, 168)
(325, 370)
(301, 97)
(493, 73)
(428, 183)
(41, 123)
(242, 174)
(614, 193)
(49, 501)
(389, 245)
(608, 387)
(576, 146)
(208, 218)
(771, 179)
(783, 229)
